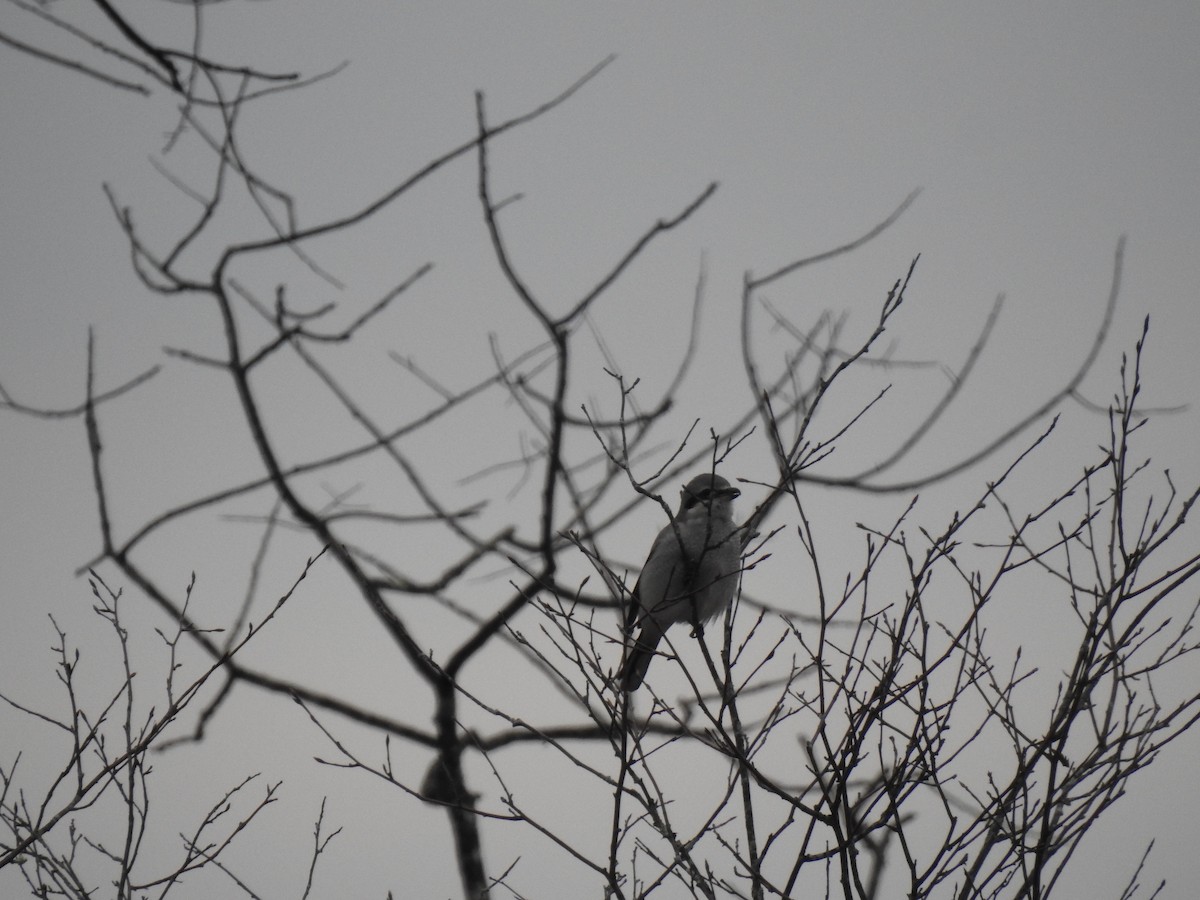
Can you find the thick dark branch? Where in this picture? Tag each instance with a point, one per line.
(142, 44)
(133, 37)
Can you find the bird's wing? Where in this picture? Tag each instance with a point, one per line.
(662, 567)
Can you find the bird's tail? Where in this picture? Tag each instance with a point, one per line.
(637, 661)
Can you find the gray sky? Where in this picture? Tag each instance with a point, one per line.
(1038, 133)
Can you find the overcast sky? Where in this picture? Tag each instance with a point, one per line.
(1038, 134)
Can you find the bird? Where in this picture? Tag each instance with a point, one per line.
(690, 574)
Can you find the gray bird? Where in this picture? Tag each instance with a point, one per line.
(690, 575)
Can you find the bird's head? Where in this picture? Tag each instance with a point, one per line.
(710, 494)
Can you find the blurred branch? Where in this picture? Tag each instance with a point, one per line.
(7, 402)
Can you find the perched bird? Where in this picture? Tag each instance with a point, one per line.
(690, 575)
